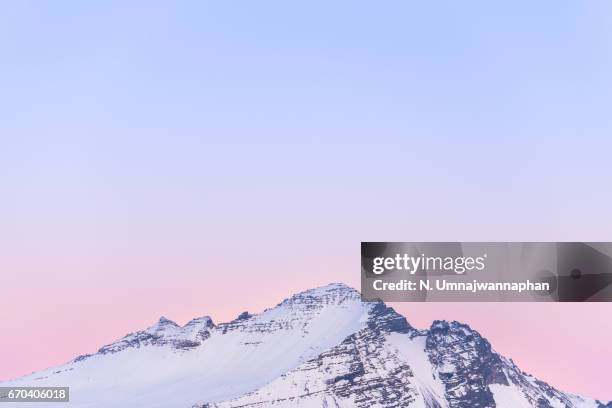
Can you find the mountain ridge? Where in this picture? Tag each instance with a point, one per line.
(319, 347)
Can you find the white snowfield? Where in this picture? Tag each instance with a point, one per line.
(319, 348)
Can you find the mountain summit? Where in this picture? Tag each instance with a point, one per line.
(320, 348)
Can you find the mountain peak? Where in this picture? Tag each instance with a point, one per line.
(334, 286)
(165, 321)
(331, 287)
(333, 293)
(452, 327)
(200, 321)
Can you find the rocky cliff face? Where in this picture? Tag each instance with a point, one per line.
(319, 348)
(390, 364)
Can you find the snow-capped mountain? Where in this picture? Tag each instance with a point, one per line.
(320, 348)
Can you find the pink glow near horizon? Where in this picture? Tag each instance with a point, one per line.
(64, 315)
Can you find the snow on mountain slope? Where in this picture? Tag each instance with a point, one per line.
(366, 369)
(450, 365)
(319, 348)
(162, 366)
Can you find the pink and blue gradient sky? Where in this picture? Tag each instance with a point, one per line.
(192, 158)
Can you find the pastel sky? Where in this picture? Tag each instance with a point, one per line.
(206, 158)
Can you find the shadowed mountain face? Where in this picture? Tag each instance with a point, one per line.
(320, 348)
